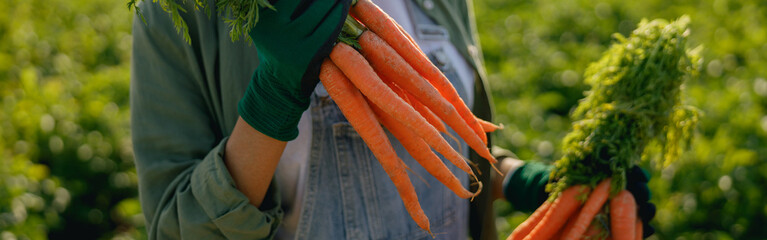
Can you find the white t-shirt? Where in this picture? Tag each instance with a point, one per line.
(291, 171)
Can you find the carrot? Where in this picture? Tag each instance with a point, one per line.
(623, 216)
(361, 117)
(389, 64)
(594, 203)
(426, 113)
(431, 118)
(523, 229)
(367, 81)
(563, 207)
(568, 225)
(384, 26)
(421, 152)
(409, 38)
(488, 126)
(638, 230)
(417, 105)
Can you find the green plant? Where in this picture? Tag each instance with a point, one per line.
(66, 164)
(536, 52)
(240, 15)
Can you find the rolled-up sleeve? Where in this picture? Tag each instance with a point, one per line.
(213, 190)
(185, 188)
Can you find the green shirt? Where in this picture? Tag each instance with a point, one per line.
(184, 105)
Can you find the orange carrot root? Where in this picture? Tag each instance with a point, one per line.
(488, 126)
(528, 225)
(562, 208)
(623, 215)
(596, 200)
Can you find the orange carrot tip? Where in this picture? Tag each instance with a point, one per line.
(488, 126)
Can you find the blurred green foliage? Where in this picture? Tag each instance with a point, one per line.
(537, 51)
(66, 169)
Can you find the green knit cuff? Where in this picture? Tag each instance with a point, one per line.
(271, 109)
(525, 189)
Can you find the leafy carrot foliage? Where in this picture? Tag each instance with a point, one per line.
(635, 99)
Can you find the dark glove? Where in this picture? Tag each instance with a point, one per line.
(291, 42)
(525, 189)
(636, 183)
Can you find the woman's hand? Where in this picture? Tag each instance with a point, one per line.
(292, 40)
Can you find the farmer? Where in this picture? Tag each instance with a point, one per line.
(238, 140)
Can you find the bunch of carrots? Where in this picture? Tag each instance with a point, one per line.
(389, 81)
(634, 102)
(377, 75)
(568, 217)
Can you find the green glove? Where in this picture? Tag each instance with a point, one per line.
(291, 42)
(525, 188)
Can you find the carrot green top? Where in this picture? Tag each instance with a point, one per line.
(634, 101)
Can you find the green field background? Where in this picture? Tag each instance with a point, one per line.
(66, 166)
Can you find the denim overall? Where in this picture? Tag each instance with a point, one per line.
(349, 196)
